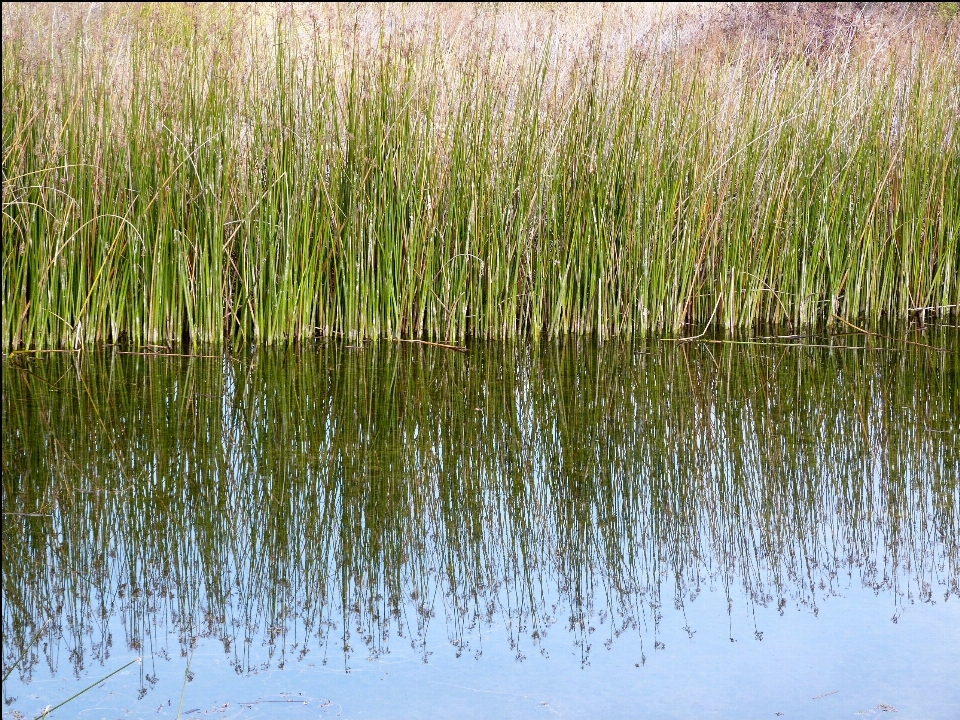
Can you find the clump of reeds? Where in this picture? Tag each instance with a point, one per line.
(184, 185)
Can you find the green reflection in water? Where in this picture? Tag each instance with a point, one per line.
(332, 500)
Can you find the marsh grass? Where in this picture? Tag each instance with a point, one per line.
(184, 185)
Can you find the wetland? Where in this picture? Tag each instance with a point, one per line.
(490, 360)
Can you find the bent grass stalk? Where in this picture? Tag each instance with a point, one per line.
(186, 678)
(26, 649)
(48, 711)
(188, 187)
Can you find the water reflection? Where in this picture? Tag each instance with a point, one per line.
(331, 501)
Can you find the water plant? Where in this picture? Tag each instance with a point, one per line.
(206, 182)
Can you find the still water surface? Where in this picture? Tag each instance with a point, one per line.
(570, 530)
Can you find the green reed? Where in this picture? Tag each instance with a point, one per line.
(185, 186)
(332, 500)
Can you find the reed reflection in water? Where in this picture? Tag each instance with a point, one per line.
(329, 501)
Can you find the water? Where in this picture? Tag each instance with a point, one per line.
(568, 530)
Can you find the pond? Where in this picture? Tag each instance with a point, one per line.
(621, 529)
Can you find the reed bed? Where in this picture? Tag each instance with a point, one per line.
(210, 182)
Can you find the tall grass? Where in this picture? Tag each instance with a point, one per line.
(187, 185)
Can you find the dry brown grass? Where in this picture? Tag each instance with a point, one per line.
(512, 30)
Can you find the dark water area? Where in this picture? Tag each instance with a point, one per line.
(626, 529)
